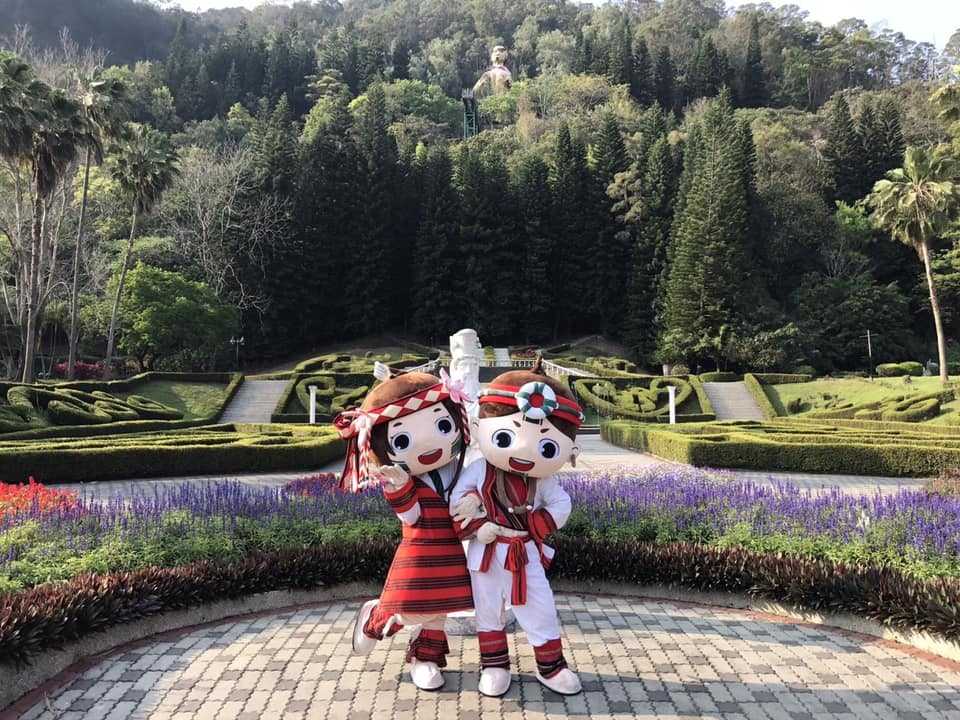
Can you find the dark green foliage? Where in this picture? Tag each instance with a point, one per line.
(754, 90)
(532, 189)
(606, 277)
(378, 177)
(843, 152)
(434, 309)
(664, 80)
(704, 287)
(570, 191)
(51, 615)
(641, 86)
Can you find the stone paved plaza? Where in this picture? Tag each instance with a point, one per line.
(637, 659)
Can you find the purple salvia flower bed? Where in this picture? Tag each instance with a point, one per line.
(687, 499)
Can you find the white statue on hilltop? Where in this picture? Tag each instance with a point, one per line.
(465, 356)
(498, 78)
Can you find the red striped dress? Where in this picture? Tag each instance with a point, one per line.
(429, 573)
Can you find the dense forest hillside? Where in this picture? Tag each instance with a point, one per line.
(684, 177)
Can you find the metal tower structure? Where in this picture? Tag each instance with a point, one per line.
(471, 115)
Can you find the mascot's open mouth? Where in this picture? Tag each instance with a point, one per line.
(429, 458)
(521, 465)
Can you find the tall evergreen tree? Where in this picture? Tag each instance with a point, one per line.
(707, 71)
(612, 243)
(620, 55)
(664, 79)
(843, 152)
(378, 187)
(892, 145)
(569, 192)
(710, 260)
(327, 212)
(433, 305)
(532, 190)
(870, 136)
(641, 87)
(649, 216)
(754, 77)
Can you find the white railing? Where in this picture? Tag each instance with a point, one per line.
(426, 367)
(558, 371)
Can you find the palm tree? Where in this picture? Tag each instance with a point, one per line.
(144, 165)
(915, 204)
(103, 105)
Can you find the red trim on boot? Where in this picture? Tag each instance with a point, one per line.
(377, 622)
(550, 658)
(493, 649)
(429, 646)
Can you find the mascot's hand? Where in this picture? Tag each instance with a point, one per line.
(467, 510)
(393, 476)
(489, 532)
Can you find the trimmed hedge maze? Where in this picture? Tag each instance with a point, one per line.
(645, 398)
(342, 381)
(213, 449)
(44, 409)
(914, 408)
(858, 447)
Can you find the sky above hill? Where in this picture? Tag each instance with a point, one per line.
(921, 20)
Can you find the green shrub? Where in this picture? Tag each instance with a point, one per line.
(214, 449)
(883, 450)
(712, 377)
(755, 388)
(782, 378)
(151, 409)
(909, 368)
(640, 398)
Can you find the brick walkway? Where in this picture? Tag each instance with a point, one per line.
(637, 659)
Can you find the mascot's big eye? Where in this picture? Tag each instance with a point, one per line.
(400, 442)
(549, 449)
(503, 438)
(445, 426)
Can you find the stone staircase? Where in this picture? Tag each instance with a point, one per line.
(254, 402)
(732, 401)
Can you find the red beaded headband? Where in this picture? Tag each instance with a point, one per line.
(536, 400)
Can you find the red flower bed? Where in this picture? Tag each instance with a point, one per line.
(33, 498)
(85, 371)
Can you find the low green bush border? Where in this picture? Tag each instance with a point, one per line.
(48, 464)
(755, 388)
(712, 446)
(608, 409)
(719, 376)
(233, 380)
(48, 616)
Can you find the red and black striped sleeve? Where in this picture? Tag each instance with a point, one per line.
(542, 525)
(403, 499)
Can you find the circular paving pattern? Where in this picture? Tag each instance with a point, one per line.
(637, 658)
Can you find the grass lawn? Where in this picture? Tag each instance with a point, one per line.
(857, 391)
(193, 399)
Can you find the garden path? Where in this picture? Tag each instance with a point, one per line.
(732, 401)
(254, 402)
(636, 659)
(597, 454)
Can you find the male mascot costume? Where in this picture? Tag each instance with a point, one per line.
(507, 505)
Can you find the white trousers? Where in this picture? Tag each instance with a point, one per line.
(537, 617)
(428, 622)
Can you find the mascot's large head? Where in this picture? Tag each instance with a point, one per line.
(528, 423)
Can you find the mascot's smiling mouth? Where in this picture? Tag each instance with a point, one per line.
(521, 465)
(429, 458)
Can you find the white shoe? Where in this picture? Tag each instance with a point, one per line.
(362, 644)
(426, 675)
(564, 682)
(494, 682)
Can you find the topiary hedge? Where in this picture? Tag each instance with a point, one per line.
(909, 368)
(214, 449)
(641, 398)
(48, 616)
(787, 446)
(755, 388)
(712, 377)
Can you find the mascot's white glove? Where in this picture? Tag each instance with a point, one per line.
(393, 476)
(467, 510)
(489, 532)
